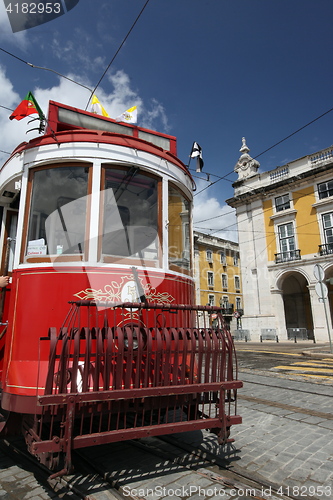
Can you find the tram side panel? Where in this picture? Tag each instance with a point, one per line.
(41, 300)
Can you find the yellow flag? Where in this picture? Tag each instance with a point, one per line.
(97, 108)
(129, 116)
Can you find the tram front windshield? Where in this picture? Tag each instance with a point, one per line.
(60, 202)
(130, 219)
(58, 208)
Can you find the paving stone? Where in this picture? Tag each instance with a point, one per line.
(35, 493)
(292, 438)
(327, 425)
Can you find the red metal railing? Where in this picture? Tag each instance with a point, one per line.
(126, 371)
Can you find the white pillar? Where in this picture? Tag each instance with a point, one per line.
(318, 316)
(280, 319)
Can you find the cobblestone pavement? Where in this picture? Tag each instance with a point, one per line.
(286, 439)
(19, 483)
(286, 436)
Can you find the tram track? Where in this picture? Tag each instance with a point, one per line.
(198, 466)
(198, 470)
(285, 406)
(124, 471)
(94, 480)
(243, 372)
(15, 449)
(273, 398)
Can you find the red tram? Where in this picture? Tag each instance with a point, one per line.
(100, 339)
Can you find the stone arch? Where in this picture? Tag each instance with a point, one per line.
(281, 277)
(296, 301)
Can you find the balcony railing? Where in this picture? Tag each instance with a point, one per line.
(227, 309)
(325, 249)
(322, 158)
(287, 256)
(279, 174)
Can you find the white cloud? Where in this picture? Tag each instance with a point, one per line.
(218, 219)
(14, 132)
(11, 133)
(122, 97)
(66, 51)
(157, 111)
(212, 217)
(65, 92)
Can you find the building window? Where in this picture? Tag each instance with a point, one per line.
(325, 189)
(209, 255)
(286, 237)
(225, 301)
(237, 282)
(287, 244)
(238, 303)
(211, 300)
(236, 259)
(223, 258)
(282, 203)
(224, 278)
(328, 228)
(210, 278)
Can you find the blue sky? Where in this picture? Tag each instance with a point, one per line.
(210, 71)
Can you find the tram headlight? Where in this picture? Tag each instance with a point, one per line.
(134, 337)
(135, 342)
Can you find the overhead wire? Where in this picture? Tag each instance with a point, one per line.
(268, 149)
(107, 68)
(219, 178)
(92, 91)
(295, 198)
(44, 68)
(293, 133)
(117, 52)
(5, 107)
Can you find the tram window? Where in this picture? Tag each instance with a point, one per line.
(58, 211)
(130, 218)
(179, 231)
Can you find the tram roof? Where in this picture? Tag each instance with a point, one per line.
(62, 117)
(68, 124)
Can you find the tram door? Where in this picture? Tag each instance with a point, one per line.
(7, 261)
(9, 227)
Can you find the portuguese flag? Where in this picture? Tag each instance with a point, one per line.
(28, 106)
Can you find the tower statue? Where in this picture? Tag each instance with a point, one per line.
(246, 165)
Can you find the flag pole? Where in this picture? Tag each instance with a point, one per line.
(190, 157)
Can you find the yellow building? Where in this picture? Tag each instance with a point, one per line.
(285, 223)
(217, 271)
